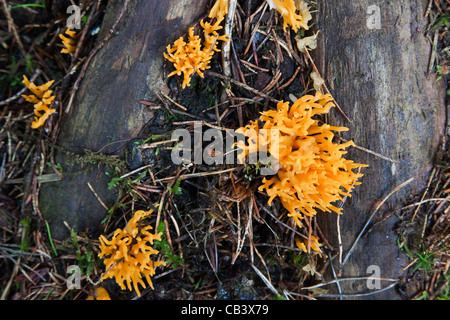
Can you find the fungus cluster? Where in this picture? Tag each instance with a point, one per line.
(295, 14)
(70, 42)
(42, 100)
(313, 174)
(128, 255)
(99, 294)
(193, 56)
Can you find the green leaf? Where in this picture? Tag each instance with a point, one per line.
(176, 189)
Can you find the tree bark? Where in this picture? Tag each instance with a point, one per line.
(380, 78)
(107, 112)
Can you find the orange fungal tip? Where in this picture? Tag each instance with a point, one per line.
(313, 172)
(42, 100)
(195, 55)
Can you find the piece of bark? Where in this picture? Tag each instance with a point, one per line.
(107, 113)
(379, 77)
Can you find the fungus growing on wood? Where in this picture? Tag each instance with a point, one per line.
(127, 256)
(42, 100)
(100, 294)
(70, 43)
(193, 57)
(313, 174)
(288, 10)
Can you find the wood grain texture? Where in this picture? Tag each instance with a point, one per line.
(107, 113)
(379, 78)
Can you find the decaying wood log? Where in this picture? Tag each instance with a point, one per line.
(106, 112)
(377, 70)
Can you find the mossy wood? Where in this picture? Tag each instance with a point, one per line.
(378, 73)
(107, 113)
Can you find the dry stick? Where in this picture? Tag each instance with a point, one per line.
(242, 85)
(92, 54)
(174, 102)
(424, 193)
(357, 294)
(290, 80)
(279, 221)
(19, 94)
(83, 34)
(326, 88)
(266, 281)
(193, 175)
(97, 196)
(370, 219)
(370, 151)
(348, 279)
(334, 275)
(12, 27)
(434, 54)
(428, 8)
(226, 50)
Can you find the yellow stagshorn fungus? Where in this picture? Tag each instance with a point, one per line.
(100, 294)
(127, 256)
(313, 174)
(288, 10)
(70, 43)
(191, 57)
(42, 100)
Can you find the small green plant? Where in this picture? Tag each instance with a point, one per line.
(85, 256)
(425, 262)
(176, 189)
(25, 224)
(118, 181)
(39, 5)
(164, 247)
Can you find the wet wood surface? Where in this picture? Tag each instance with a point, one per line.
(379, 76)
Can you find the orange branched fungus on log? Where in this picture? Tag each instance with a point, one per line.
(42, 100)
(191, 57)
(128, 254)
(312, 174)
(314, 244)
(70, 43)
(100, 294)
(288, 10)
(219, 10)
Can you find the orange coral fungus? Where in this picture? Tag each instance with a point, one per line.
(128, 254)
(100, 294)
(313, 173)
(42, 101)
(313, 244)
(219, 10)
(288, 10)
(70, 44)
(191, 57)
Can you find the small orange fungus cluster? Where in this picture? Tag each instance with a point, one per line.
(70, 42)
(100, 294)
(313, 174)
(127, 256)
(42, 100)
(193, 57)
(295, 14)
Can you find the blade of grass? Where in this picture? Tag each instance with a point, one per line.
(50, 239)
